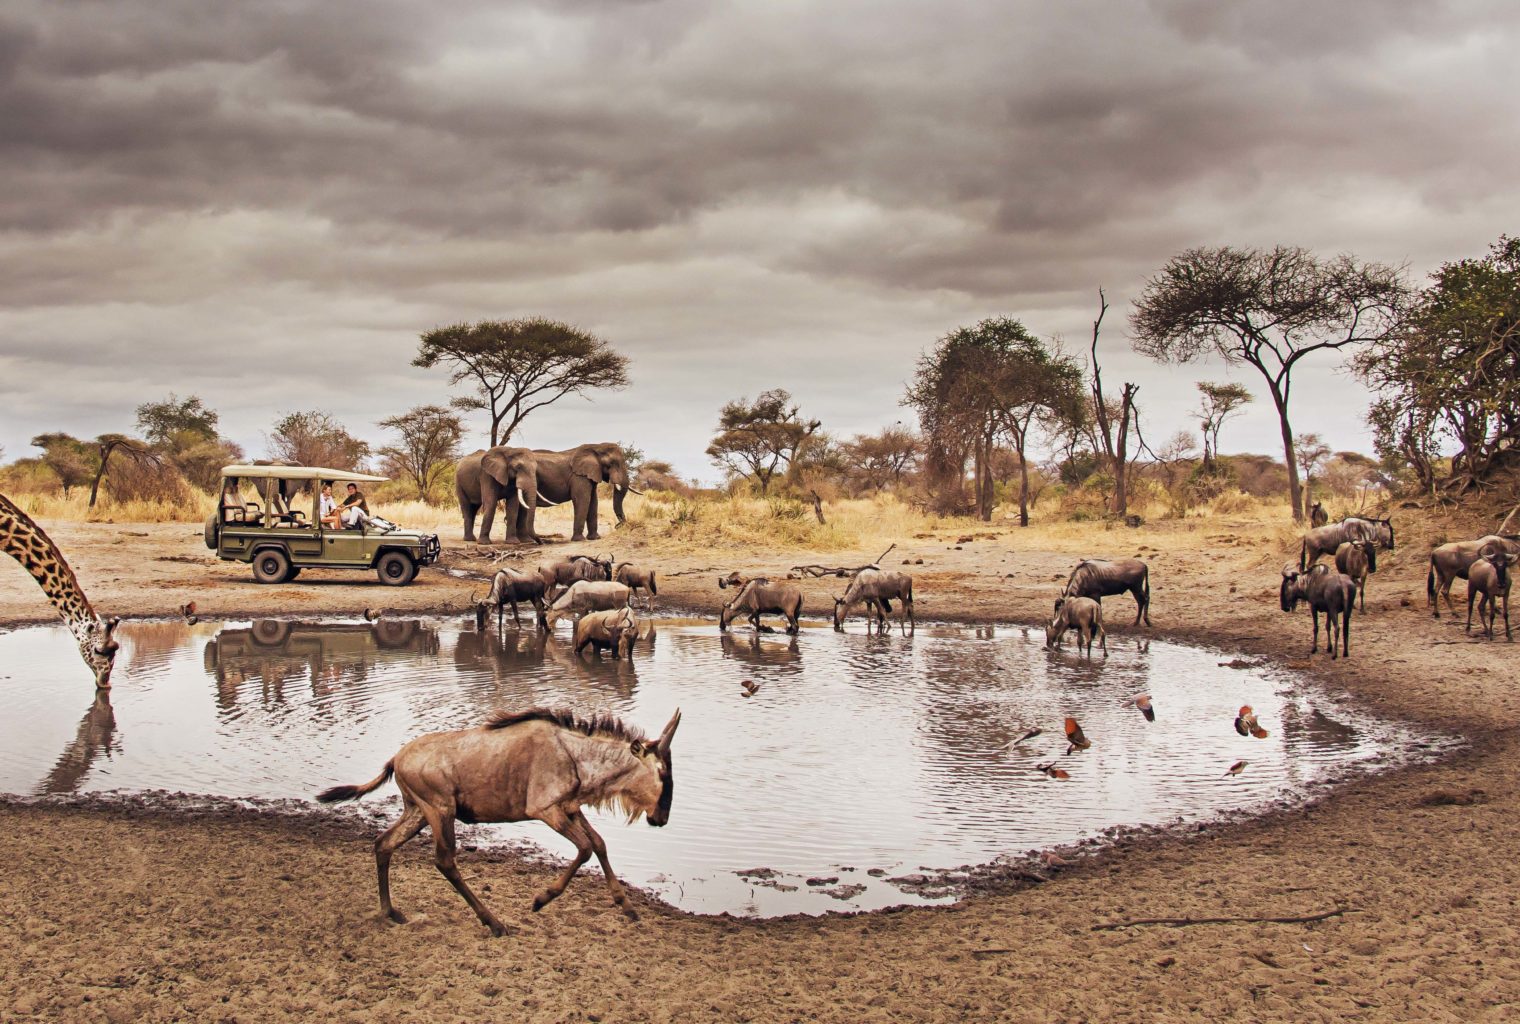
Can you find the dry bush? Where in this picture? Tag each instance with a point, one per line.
(743, 522)
(29, 476)
(1232, 502)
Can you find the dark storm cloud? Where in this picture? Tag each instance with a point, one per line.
(189, 183)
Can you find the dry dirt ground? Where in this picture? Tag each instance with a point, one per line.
(151, 915)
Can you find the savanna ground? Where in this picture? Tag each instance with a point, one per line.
(151, 914)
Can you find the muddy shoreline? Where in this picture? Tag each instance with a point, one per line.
(159, 914)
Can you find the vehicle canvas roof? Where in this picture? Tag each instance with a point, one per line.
(300, 473)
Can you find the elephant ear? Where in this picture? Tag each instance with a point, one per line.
(498, 463)
(587, 463)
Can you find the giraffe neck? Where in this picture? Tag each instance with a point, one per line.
(25, 541)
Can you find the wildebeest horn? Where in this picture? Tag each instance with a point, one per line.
(1289, 571)
(663, 746)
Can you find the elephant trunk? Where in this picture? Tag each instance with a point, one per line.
(618, 477)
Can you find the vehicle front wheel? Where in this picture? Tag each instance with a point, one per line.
(271, 566)
(396, 569)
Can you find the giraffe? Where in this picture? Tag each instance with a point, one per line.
(24, 541)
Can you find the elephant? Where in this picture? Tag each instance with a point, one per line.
(529, 479)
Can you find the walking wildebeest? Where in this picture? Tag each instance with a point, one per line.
(614, 630)
(507, 588)
(1357, 559)
(1097, 579)
(1488, 579)
(538, 764)
(759, 596)
(588, 596)
(877, 590)
(1082, 614)
(1326, 591)
(1451, 562)
(636, 579)
(1325, 539)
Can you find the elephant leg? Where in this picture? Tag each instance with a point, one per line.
(468, 510)
(487, 515)
(578, 506)
(591, 533)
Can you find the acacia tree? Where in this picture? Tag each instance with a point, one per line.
(879, 460)
(429, 442)
(517, 366)
(1453, 371)
(183, 433)
(316, 439)
(1219, 402)
(69, 458)
(757, 439)
(107, 445)
(1311, 450)
(993, 381)
(1269, 309)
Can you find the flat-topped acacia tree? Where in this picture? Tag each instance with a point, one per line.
(1268, 308)
(517, 366)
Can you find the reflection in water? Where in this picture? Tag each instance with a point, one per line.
(854, 751)
(270, 653)
(96, 731)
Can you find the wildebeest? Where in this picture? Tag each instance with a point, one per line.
(877, 590)
(1317, 515)
(636, 579)
(1488, 579)
(567, 571)
(508, 587)
(1325, 539)
(1357, 559)
(1451, 562)
(614, 630)
(541, 763)
(760, 596)
(588, 596)
(1325, 591)
(1097, 579)
(737, 580)
(1082, 614)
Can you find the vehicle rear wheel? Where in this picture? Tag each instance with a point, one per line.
(396, 569)
(271, 566)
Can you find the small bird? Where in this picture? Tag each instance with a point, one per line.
(1051, 770)
(1074, 737)
(750, 687)
(187, 612)
(1142, 701)
(1236, 768)
(1051, 859)
(1246, 724)
(372, 614)
(1029, 734)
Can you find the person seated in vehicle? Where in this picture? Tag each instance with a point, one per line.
(234, 509)
(356, 497)
(329, 508)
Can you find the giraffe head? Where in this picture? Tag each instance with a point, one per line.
(98, 646)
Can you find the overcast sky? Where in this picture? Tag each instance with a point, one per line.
(264, 204)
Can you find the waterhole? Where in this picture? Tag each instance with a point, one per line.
(863, 772)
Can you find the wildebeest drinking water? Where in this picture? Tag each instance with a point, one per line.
(541, 763)
(1097, 579)
(877, 590)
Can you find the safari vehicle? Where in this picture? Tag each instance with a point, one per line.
(279, 540)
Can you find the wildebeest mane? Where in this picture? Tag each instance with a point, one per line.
(598, 725)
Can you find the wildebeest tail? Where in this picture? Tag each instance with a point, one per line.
(1430, 583)
(653, 592)
(337, 793)
(1303, 554)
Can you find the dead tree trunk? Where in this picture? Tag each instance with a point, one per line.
(1113, 437)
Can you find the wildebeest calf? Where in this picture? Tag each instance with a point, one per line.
(1489, 579)
(1356, 559)
(636, 579)
(1082, 614)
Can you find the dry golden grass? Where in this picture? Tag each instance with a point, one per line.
(75, 508)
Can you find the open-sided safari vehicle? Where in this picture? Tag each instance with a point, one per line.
(263, 529)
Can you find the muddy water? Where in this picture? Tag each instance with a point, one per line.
(861, 768)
